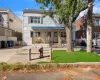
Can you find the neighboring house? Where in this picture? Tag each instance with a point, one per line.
(10, 26)
(81, 27)
(40, 28)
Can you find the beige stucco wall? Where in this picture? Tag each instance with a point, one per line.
(10, 30)
(16, 24)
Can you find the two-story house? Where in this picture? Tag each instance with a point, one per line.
(81, 26)
(10, 26)
(41, 28)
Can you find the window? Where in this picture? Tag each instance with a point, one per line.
(97, 22)
(97, 34)
(35, 20)
(63, 34)
(49, 34)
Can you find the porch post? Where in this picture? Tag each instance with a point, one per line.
(52, 36)
(46, 37)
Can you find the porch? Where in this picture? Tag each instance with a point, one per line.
(48, 36)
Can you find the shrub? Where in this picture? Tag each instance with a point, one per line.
(32, 67)
(4, 66)
(18, 66)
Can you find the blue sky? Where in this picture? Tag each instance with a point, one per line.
(17, 6)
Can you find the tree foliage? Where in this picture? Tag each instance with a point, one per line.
(67, 10)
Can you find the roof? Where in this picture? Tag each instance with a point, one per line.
(96, 15)
(34, 11)
(47, 27)
(4, 9)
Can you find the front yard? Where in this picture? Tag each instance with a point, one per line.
(60, 56)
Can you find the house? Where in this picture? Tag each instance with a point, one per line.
(39, 28)
(81, 26)
(10, 26)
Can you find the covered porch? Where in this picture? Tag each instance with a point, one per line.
(49, 36)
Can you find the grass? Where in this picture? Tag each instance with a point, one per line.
(60, 56)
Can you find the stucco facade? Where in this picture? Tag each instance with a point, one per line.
(10, 26)
(49, 29)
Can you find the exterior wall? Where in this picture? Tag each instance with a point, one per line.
(47, 21)
(4, 21)
(14, 22)
(81, 27)
(95, 27)
(10, 30)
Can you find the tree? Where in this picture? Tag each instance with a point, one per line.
(89, 26)
(68, 11)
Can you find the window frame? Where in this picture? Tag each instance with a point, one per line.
(95, 34)
(35, 20)
(97, 22)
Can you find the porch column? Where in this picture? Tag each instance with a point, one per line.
(59, 39)
(46, 37)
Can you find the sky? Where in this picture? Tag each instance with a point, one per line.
(17, 6)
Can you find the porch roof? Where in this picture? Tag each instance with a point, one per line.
(47, 27)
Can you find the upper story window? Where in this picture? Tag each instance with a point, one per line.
(97, 22)
(35, 20)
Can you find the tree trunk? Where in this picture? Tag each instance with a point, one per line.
(69, 39)
(89, 26)
(89, 38)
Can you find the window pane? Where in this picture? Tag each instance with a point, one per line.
(97, 22)
(96, 35)
(31, 34)
(38, 21)
(35, 21)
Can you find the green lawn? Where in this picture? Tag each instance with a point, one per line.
(60, 56)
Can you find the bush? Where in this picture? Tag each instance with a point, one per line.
(4, 66)
(18, 66)
(32, 67)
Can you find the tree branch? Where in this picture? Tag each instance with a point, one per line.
(78, 12)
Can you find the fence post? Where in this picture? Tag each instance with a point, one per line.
(51, 54)
(29, 55)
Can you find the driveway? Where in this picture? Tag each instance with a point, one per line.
(6, 54)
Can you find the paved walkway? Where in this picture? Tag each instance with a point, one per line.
(20, 54)
(16, 55)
